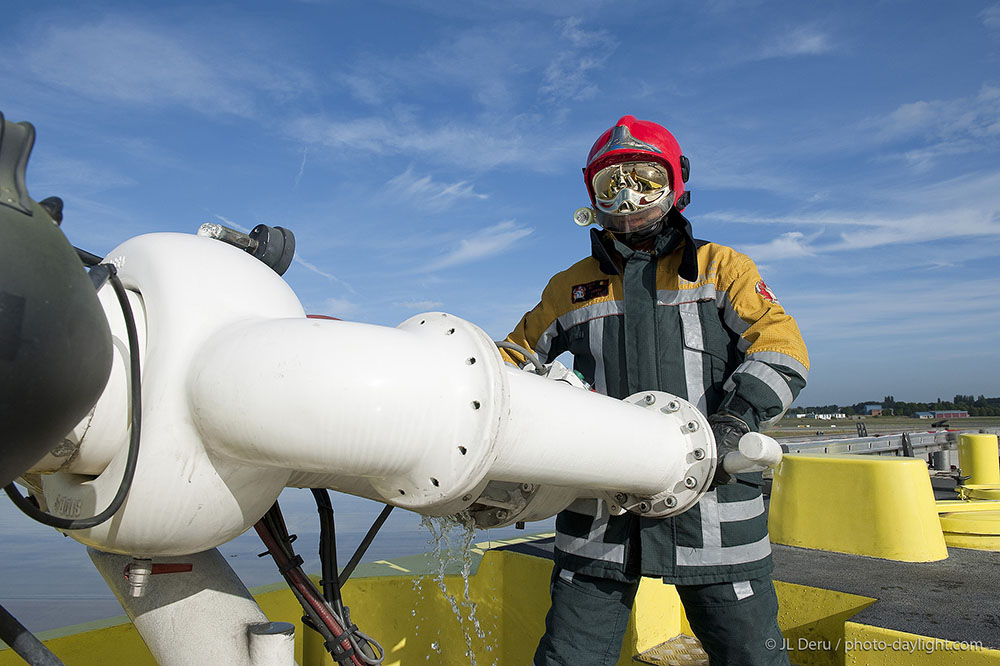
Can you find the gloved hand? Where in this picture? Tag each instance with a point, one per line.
(727, 430)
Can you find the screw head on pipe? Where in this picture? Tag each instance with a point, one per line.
(649, 398)
(670, 501)
(692, 426)
(644, 507)
(699, 454)
(690, 482)
(621, 497)
(673, 406)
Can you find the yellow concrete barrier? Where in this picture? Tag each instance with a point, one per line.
(978, 458)
(864, 505)
(865, 645)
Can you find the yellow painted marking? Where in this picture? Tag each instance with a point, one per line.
(392, 565)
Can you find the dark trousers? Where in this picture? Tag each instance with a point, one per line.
(737, 623)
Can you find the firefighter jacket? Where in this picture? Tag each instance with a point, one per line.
(694, 319)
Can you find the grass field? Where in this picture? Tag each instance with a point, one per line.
(876, 425)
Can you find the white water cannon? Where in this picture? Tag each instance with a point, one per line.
(243, 396)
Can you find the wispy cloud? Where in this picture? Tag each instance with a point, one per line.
(991, 17)
(302, 168)
(789, 245)
(137, 62)
(512, 141)
(486, 243)
(797, 41)
(425, 192)
(977, 115)
(484, 63)
(569, 76)
(342, 308)
(60, 174)
(424, 306)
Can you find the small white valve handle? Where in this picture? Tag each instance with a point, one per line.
(756, 452)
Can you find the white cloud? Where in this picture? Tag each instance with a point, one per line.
(974, 119)
(423, 306)
(340, 307)
(852, 230)
(135, 62)
(61, 174)
(799, 41)
(991, 17)
(793, 244)
(481, 245)
(471, 145)
(569, 76)
(485, 62)
(424, 191)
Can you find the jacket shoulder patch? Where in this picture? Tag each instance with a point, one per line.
(766, 293)
(589, 291)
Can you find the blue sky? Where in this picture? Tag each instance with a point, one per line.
(427, 154)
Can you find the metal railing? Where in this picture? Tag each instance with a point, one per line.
(912, 444)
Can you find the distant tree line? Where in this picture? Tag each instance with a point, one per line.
(975, 405)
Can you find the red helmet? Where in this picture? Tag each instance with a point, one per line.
(635, 200)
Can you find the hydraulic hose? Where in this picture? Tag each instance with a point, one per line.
(24, 643)
(527, 354)
(133, 447)
(328, 550)
(340, 636)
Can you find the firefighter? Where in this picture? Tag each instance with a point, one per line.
(652, 308)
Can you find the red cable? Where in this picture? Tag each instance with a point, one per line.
(303, 585)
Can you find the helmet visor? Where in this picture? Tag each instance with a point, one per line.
(631, 195)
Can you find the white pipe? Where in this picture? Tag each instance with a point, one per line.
(414, 410)
(424, 414)
(561, 435)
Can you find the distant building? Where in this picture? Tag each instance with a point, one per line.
(923, 415)
(873, 410)
(951, 414)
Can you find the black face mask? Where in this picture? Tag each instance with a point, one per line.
(652, 231)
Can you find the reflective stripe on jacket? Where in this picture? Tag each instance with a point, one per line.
(722, 341)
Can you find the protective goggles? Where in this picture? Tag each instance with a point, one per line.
(630, 187)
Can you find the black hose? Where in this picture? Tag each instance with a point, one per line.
(328, 550)
(335, 629)
(363, 546)
(87, 258)
(24, 643)
(133, 447)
